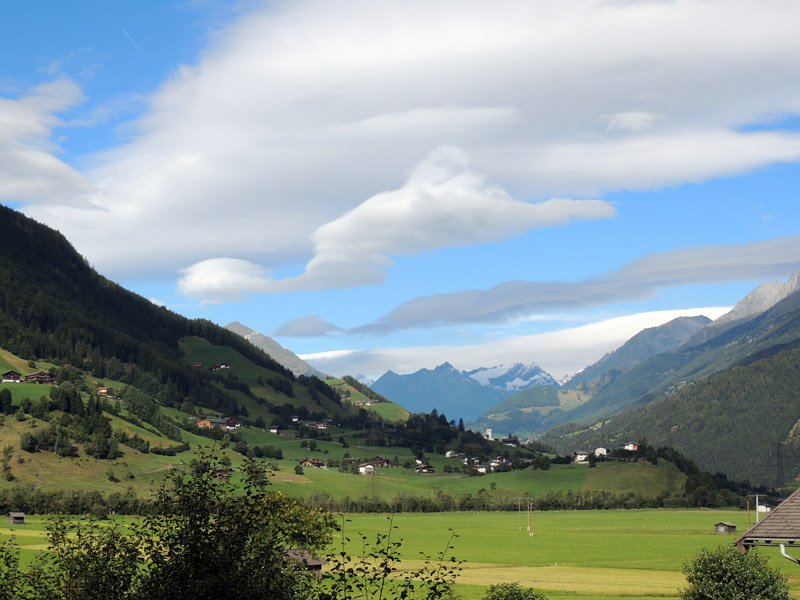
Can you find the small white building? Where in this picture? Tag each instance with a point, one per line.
(273, 430)
(580, 457)
(600, 452)
(631, 446)
(366, 469)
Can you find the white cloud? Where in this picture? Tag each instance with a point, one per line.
(558, 352)
(443, 203)
(301, 110)
(631, 121)
(30, 172)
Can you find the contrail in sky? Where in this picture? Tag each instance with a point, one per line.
(133, 41)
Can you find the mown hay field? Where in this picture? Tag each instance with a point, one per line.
(592, 555)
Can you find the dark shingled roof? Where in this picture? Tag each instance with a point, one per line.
(780, 526)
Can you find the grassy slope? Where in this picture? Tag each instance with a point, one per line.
(199, 350)
(144, 472)
(387, 410)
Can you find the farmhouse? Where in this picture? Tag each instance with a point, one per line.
(366, 469)
(40, 377)
(631, 446)
(725, 527)
(16, 518)
(780, 528)
(580, 457)
(102, 391)
(11, 377)
(600, 452)
(425, 470)
(273, 429)
(312, 463)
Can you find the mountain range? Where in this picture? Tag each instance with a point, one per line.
(460, 394)
(726, 397)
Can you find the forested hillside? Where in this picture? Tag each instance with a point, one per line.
(744, 422)
(54, 306)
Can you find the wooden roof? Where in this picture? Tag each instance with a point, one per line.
(780, 526)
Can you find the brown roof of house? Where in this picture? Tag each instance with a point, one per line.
(781, 525)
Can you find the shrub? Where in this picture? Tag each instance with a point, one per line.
(512, 591)
(725, 573)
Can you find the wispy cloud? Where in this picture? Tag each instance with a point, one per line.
(635, 281)
(30, 171)
(558, 352)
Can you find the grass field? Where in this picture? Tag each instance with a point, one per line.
(591, 555)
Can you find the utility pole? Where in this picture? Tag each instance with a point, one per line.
(756, 509)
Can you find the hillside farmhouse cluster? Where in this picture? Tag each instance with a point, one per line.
(38, 377)
(225, 423)
(582, 457)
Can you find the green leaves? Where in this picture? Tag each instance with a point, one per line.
(725, 574)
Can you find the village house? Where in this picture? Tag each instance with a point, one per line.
(425, 470)
(102, 391)
(313, 463)
(511, 440)
(366, 469)
(580, 457)
(451, 454)
(600, 452)
(631, 446)
(274, 429)
(11, 377)
(380, 461)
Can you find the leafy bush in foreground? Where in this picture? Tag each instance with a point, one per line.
(725, 574)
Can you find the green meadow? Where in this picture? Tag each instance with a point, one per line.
(590, 555)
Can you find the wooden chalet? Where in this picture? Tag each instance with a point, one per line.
(780, 528)
(40, 377)
(16, 518)
(11, 377)
(313, 463)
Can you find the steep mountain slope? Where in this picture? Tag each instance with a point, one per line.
(770, 332)
(744, 422)
(760, 299)
(285, 357)
(644, 345)
(54, 306)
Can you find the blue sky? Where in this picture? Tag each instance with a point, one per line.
(393, 185)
